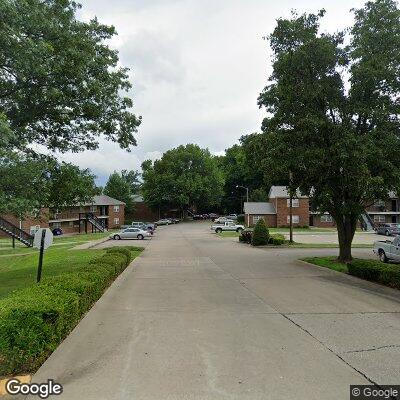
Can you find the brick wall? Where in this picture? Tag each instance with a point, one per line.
(282, 212)
(270, 220)
(42, 220)
(321, 224)
(144, 213)
(114, 214)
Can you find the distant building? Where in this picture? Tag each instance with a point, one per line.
(276, 211)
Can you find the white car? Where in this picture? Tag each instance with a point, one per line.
(222, 220)
(227, 226)
(131, 233)
(388, 250)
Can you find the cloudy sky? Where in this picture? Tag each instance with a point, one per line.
(197, 67)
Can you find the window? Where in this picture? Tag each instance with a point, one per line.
(256, 218)
(295, 202)
(379, 218)
(34, 229)
(56, 225)
(116, 208)
(295, 219)
(93, 209)
(116, 221)
(71, 223)
(326, 218)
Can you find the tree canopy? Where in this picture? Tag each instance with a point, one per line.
(60, 83)
(119, 188)
(333, 112)
(185, 177)
(28, 183)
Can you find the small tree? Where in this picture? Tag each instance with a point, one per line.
(260, 233)
(118, 188)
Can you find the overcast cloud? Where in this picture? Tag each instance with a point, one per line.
(197, 68)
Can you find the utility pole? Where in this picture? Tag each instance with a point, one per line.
(290, 207)
(247, 200)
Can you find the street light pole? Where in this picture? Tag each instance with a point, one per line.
(247, 200)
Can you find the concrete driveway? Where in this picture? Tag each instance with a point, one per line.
(198, 317)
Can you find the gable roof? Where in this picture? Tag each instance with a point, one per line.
(259, 208)
(282, 192)
(104, 200)
(137, 198)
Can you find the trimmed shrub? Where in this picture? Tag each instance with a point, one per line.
(121, 250)
(390, 276)
(246, 236)
(277, 239)
(366, 269)
(376, 271)
(33, 321)
(260, 233)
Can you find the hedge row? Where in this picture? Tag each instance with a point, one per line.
(33, 321)
(376, 271)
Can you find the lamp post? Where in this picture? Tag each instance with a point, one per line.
(247, 200)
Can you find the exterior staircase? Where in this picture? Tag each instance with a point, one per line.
(96, 222)
(367, 223)
(16, 233)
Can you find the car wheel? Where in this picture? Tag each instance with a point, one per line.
(387, 233)
(218, 230)
(238, 230)
(382, 256)
(117, 237)
(140, 237)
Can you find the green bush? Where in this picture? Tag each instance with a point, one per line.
(240, 219)
(376, 271)
(121, 250)
(366, 269)
(33, 321)
(246, 235)
(277, 239)
(260, 233)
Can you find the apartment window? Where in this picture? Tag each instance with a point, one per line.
(57, 225)
(116, 208)
(93, 209)
(256, 218)
(295, 202)
(116, 221)
(295, 219)
(71, 223)
(379, 218)
(326, 218)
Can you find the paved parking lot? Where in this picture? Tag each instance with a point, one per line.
(196, 317)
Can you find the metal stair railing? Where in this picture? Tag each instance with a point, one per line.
(96, 222)
(15, 232)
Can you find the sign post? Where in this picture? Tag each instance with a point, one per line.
(42, 240)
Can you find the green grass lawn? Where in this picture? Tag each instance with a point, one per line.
(19, 271)
(327, 262)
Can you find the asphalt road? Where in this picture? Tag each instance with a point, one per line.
(199, 317)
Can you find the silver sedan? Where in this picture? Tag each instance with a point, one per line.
(131, 233)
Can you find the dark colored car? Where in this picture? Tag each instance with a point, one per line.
(57, 231)
(198, 216)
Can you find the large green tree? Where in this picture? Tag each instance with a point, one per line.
(119, 188)
(185, 177)
(30, 182)
(333, 112)
(60, 83)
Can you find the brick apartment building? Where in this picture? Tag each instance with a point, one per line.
(75, 219)
(276, 211)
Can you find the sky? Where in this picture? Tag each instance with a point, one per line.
(197, 68)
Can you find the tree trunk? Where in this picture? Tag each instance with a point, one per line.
(346, 227)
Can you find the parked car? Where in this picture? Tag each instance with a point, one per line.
(131, 233)
(227, 226)
(213, 216)
(144, 225)
(163, 222)
(222, 220)
(387, 250)
(388, 229)
(232, 217)
(198, 216)
(57, 231)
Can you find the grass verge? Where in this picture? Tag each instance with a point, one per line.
(35, 318)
